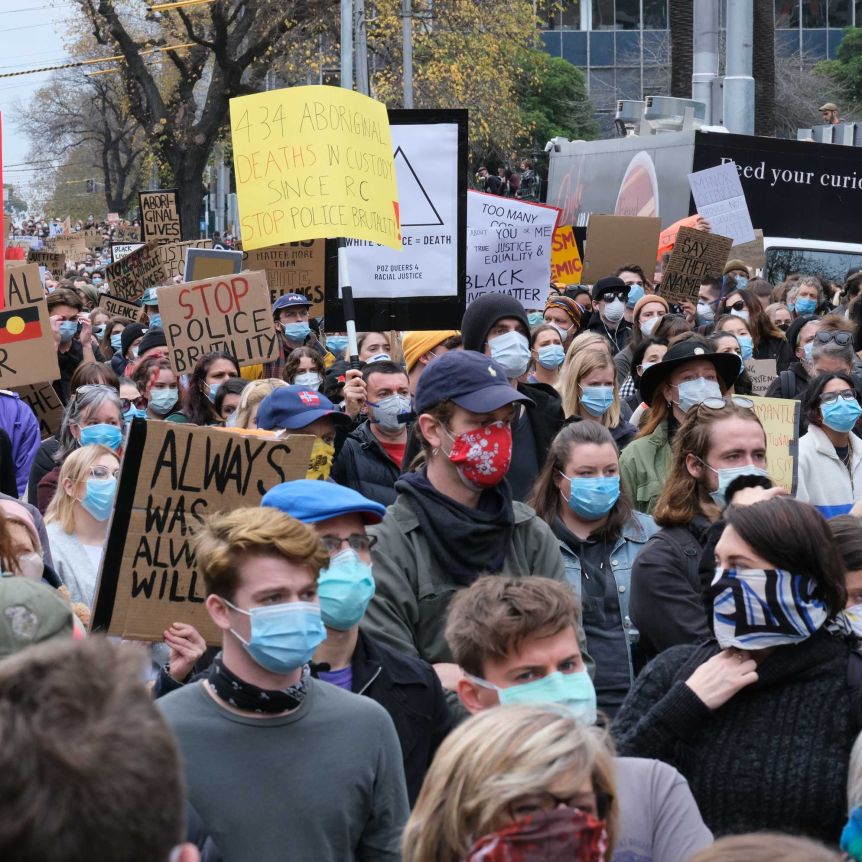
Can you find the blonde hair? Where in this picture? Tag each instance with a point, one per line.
(583, 364)
(76, 468)
(586, 341)
(251, 396)
(225, 540)
(494, 759)
(766, 847)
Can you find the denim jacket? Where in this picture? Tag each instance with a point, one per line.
(627, 546)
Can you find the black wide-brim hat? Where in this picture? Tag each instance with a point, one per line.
(727, 367)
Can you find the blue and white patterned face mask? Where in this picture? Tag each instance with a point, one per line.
(760, 608)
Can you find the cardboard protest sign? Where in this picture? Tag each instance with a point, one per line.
(511, 260)
(93, 238)
(160, 215)
(696, 256)
(209, 262)
(293, 267)
(231, 313)
(762, 372)
(426, 170)
(566, 266)
(173, 255)
(27, 350)
(120, 308)
(313, 162)
(752, 254)
(53, 261)
(719, 198)
(613, 241)
(73, 247)
(780, 420)
(119, 250)
(46, 406)
(173, 476)
(129, 277)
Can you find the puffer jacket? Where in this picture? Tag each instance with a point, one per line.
(362, 464)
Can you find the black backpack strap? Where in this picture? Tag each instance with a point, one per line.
(854, 685)
(788, 384)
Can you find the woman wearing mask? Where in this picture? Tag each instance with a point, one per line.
(740, 330)
(546, 345)
(210, 371)
(134, 405)
(719, 441)
(648, 312)
(99, 322)
(112, 340)
(726, 342)
(129, 340)
(830, 455)
(158, 382)
(304, 367)
(454, 518)
(589, 390)
(762, 719)
(335, 344)
(514, 779)
(77, 519)
(646, 354)
(228, 397)
(566, 315)
(768, 341)
(93, 416)
(780, 316)
(689, 373)
(373, 346)
(578, 495)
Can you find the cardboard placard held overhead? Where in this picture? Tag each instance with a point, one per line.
(762, 372)
(173, 255)
(120, 307)
(46, 406)
(27, 350)
(119, 250)
(173, 476)
(93, 238)
(313, 162)
(230, 313)
(696, 256)
(293, 267)
(613, 241)
(204, 263)
(160, 215)
(780, 420)
(129, 277)
(74, 247)
(752, 254)
(53, 261)
(566, 265)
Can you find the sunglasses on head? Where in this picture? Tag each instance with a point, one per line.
(839, 337)
(721, 403)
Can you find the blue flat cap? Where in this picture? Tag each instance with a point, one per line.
(310, 501)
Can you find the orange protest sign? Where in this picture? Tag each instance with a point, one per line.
(566, 266)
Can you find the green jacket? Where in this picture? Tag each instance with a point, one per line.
(644, 465)
(408, 611)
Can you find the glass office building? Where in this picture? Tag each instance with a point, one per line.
(623, 46)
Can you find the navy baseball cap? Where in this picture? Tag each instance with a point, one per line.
(311, 501)
(290, 300)
(469, 379)
(295, 407)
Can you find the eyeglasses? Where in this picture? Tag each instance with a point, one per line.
(127, 403)
(99, 472)
(530, 805)
(356, 542)
(739, 305)
(842, 338)
(832, 397)
(721, 403)
(621, 295)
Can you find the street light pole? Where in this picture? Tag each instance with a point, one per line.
(407, 50)
(347, 44)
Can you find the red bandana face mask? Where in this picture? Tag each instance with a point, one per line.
(483, 456)
(563, 835)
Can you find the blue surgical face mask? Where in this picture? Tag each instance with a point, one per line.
(104, 434)
(134, 413)
(808, 351)
(636, 292)
(100, 330)
(805, 305)
(742, 314)
(727, 474)
(840, 415)
(297, 332)
(741, 282)
(551, 356)
(212, 391)
(648, 325)
(597, 400)
(746, 345)
(99, 497)
(575, 691)
(336, 343)
(535, 318)
(68, 328)
(379, 357)
(345, 588)
(592, 497)
(694, 392)
(117, 341)
(283, 637)
(705, 313)
(512, 351)
(162, 400)
(155, 321)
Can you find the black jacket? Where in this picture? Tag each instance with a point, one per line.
(777, 349)
(409, 690)
(43, 464)
(362, 464)
(795, 387)
(618, 338)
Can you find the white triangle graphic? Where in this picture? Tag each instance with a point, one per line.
(415, 206)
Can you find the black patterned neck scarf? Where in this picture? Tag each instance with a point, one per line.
(249, 698)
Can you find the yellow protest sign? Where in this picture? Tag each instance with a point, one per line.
(780, 420)
(313, 162)
(566, 267)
